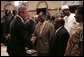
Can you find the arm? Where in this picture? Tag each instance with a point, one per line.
(51, 30)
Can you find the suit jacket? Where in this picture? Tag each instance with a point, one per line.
(42, 43)
(29, 26)
(18, 41)
(58, 42)
(7, 23)
(2, 31)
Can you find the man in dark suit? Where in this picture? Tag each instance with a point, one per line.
(29, 26)
(58, 42)
(29, 29)
(18, 40)
(5, 23)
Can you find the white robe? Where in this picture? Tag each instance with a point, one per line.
(70, 22)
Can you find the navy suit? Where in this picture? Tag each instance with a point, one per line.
(18, 40)
(58, 42)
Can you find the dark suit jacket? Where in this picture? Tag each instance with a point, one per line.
(7, 23)
(29, 26)
(2, 31)
(4, 24)
(58, 42)
(18, 41)
(4, 28)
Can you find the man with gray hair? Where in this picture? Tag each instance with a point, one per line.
(18, 41)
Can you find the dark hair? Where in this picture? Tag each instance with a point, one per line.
(14, 12)
(80, 10)
(52, 18)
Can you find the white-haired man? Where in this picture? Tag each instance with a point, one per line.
(18, 41)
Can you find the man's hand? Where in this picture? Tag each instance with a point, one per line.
(33, 39)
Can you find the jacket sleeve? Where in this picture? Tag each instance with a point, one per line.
(51, 30)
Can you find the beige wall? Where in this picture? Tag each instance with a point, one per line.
(31, 5)
(51, 4)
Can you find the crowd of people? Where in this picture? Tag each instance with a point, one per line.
(48, 35)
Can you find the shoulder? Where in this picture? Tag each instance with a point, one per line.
(64, 17)
(72, 15)
(77, 30)
(38, 24)
(18, 18)
(77, 35)
(2, 21)
(31, 21)
(63, 30)
(49, 23)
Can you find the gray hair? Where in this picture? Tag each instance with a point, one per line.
(21, 9)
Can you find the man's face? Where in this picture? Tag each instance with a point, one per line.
(27, 16)
(24, 14)
(65, 11)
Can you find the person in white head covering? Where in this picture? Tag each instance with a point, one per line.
(69, 18)
(75, 42)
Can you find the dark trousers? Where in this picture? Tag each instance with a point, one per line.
(18, 54)
(40, 54)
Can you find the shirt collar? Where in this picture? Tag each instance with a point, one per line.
(26, 21)
(21, 18)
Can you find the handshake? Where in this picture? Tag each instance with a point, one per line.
(33, 39)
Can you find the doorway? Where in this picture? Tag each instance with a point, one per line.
(38, 10)
(73, 8)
